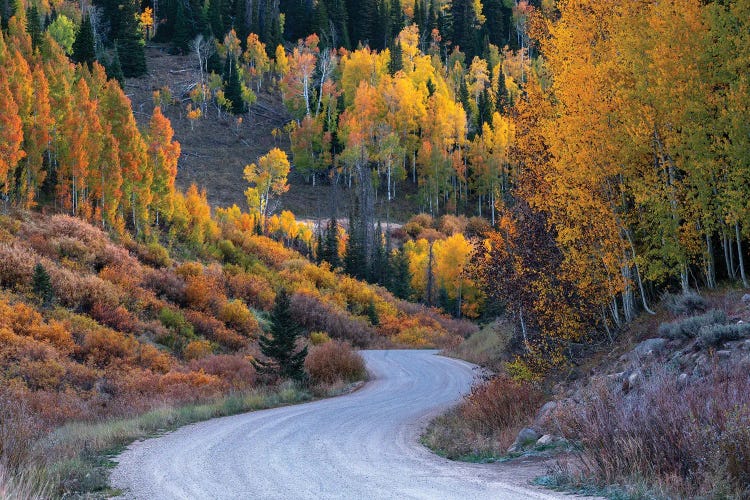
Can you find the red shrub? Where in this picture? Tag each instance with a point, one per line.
(333, 362)
(253, 289)
(235, 370)
(318, 316)
(215, 330)
(118, 318)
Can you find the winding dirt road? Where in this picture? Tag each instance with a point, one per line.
(360, 446)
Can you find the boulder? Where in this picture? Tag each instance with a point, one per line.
(682, 379)
(724, 354)
(746, 298)
(545, 440)
(650, 347)
(525, 437)
(545, 410)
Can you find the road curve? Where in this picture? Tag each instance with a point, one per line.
(359, 446)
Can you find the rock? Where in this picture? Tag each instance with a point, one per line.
(525, 437)
(634, 379)
(724, 354)
(682, 379)
(545, 440)
(746, 345)
(650, 347)
(545, 410)
(746, 298)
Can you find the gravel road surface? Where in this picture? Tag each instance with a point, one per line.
(362, 445)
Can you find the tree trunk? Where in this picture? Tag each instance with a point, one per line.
(740, 257)
(710, 264)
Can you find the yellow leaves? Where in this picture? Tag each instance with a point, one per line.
(268, 177)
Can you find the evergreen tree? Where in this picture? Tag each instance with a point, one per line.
(330, 244)
(113, 69)
(214, 18)
(355, 258)
(181, 37)
(280, 347)
(379, 262)
(396, 62)
(233, 87)
(372, 313)
(339, 19)
(42, 284)
(484, 113)
(240, 22)
(399, 283)
(83, 46)
(502, 100)
(34, 25)
(130, 44)
(396, 15)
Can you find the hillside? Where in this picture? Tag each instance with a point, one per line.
(216, 148)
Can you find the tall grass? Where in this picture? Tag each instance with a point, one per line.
(486, 422)
(73, 459)
(685, 439)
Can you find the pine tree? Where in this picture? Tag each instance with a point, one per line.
(215, 20)
(83, 47)
(399, 283)
(396, 62)
(330, 244)
(233, 87)
(181, 36)
(372, 313)
(34, 25)
(379, 262)
(42, 285)
(355, 259)
(280, 347)
(113, 68)
(130, 44)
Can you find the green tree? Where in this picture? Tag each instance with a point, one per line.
(233, 87)
(42, 285)
(63, 31)
(83, 46)
(113, 68)
(399, 282)
(181, 35)
(284, 359)
(130, 44)
(34, 25)
(329, 247)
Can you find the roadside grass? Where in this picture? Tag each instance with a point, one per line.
(77, 457)
(486, 422)
(488, 347)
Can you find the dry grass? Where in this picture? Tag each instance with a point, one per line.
(685, 439)
(486, 423)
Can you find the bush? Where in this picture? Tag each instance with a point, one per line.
(333, 362)
(487, 421)
(689, 327)
(236, 315)
(197, 349)
(313, 314)
(690, 440)
(154, 255)
(235, 370)
(317, 338)
(715, 335)
(686, 303)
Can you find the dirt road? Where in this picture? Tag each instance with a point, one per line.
(359, 446)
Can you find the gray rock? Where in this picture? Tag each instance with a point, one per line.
(525, 437)
(682, 379)
(545, 440)
(650, 347)
(724, 354)
(746, 298)
(634, 379)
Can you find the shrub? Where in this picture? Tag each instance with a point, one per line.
(317, 338)
(316, 315)
(166, 284)
(253, 289)
(235, 370)
(487, 421)
(182, 330)
(689, 327)
(686, 439)
(197, 349)
(715, 335)
(215, 330)
(16, 265)
(686, 303)
(118, 318)
(236, 315)
(333, 362)
(154, 255)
